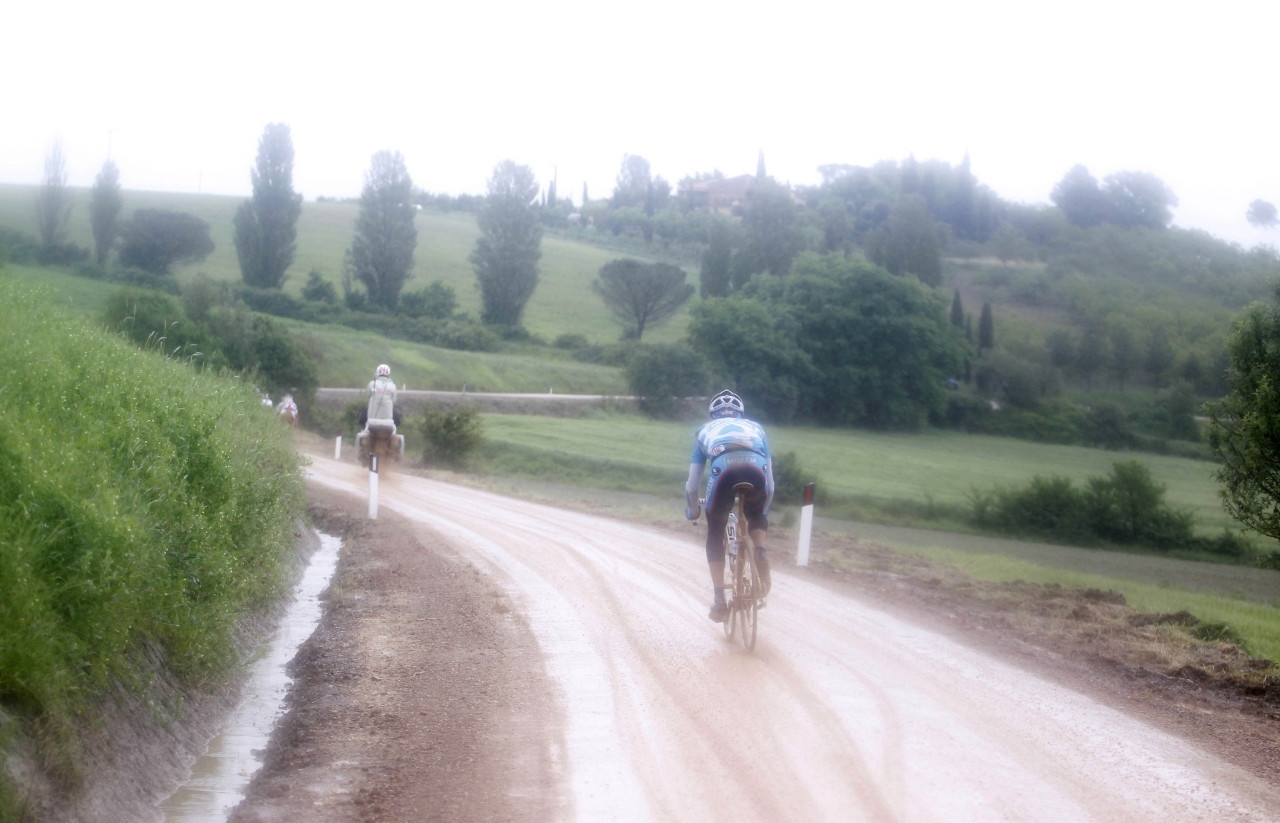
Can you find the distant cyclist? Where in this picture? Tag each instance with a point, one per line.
(739, 453)
(382, 398)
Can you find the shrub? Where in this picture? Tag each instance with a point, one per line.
(319, 290)
(143, 279)
(661, 375)
(1126, 507)
(270, 301)
(18, 247)
(437, 301)
(789, 478)
(450, 436)
(1105, 426)
(64, 254)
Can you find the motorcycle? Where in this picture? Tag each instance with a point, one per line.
(379, 438)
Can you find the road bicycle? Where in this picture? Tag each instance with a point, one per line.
(744, 592)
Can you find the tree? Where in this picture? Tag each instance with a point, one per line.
(875, 349)
(1244, 426)
(1080, 199)
(641, 294)
(266, 226)
(1091, 355)
(1159, 357)
(963, 203)
(1139, 199)
(910, 242)
(154, 240)
(53, 200)
(957, 311)
(986, 329)
(1008, 244)
(510, 244)
(381, 253)
(715, 275)
(1061, 347)
(634, 179)
(661, 375)
(1124, 354)
(751, 352)
(772, 234)
(1262, 214)
(105, 204)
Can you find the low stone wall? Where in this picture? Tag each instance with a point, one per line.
(554, 405)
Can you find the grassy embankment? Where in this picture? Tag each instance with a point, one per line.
(904, 479)
(142, 504)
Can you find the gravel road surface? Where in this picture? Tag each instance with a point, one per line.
(597, 689)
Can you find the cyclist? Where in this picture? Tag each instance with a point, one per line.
(739, 453)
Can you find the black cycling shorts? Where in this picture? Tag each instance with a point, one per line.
(718, 509)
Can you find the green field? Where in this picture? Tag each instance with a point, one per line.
(922, 468)
(634, 468)
(1256, 618)
(563, 303)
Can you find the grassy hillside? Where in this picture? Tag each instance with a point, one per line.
(562, 304)
(347, 358)
(141, 503)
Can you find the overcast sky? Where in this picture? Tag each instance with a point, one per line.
(179, 93)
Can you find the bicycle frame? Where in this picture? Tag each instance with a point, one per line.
(742, 579)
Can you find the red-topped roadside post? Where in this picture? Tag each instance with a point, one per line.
(806, 526)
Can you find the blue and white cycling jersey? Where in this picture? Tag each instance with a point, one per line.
(726, 442)
(729, 434)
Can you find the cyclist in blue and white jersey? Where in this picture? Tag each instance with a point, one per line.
(739, 452)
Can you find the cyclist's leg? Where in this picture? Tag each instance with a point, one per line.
(717, 510)
(758, 525)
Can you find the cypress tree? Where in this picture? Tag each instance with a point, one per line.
(986, 329)
(957, 311)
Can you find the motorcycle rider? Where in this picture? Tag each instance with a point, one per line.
(382, 399)
(289, 410)
(739, 452)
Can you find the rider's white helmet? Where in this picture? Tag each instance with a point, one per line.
(384, 370)
(726, 404)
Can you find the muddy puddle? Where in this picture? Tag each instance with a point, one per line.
(219, 777)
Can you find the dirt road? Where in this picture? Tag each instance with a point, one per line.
(503, 660)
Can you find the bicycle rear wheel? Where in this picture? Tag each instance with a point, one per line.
(748, 582)
(731, 590)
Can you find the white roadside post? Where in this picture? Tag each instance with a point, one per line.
(373, 487)
(806, 527)
(337, 447)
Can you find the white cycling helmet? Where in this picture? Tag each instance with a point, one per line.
(726, 404)
(384, 370)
